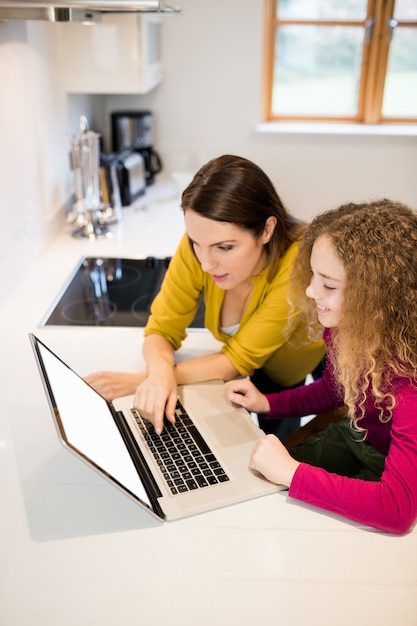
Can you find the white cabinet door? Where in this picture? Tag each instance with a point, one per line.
(120, 54)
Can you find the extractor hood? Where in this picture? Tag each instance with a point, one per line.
(78, 10)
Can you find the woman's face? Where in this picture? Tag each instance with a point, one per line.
(327, 282)
(228, 253)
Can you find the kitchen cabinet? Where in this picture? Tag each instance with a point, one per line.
(120, 54)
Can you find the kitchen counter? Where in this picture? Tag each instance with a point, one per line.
(74, 550)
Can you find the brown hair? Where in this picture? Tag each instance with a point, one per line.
(377, 334)
(235, 190)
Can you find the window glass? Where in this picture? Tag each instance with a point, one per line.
(405, 9)
(321, 9)
(317, 70)
(400, 94)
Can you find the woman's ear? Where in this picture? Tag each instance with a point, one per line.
(270, 224)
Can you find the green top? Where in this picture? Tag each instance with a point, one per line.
(259, 343)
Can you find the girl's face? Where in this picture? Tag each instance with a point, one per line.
(327, 282)
(228, 253)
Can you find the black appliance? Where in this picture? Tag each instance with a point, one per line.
(111, 292)
(133, 130)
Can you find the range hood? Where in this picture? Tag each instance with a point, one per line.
(78, 10)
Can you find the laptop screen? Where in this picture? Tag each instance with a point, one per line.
(87, 425)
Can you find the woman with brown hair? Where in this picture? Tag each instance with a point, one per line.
(237, 254)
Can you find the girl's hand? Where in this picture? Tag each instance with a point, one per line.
(270, 457)
(243, 392)
(113, 385)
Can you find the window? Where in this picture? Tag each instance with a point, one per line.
(341, 60)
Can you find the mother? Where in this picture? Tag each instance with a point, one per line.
(237, 253)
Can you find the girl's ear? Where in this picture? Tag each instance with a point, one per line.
(270, 224)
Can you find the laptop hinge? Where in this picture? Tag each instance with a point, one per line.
(139, 462)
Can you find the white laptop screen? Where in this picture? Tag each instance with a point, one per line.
(87, 424)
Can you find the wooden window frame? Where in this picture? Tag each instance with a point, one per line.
(373, 70)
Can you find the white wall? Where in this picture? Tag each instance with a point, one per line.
(36, 122)
(208, 104)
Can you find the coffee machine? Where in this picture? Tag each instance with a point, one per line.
(132, 130)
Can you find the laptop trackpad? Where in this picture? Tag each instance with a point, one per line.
(230, 430)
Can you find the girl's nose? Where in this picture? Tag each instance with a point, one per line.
(310, 291)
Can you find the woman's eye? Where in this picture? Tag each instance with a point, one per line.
(329, 288)
(225, 248)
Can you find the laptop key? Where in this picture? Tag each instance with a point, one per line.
(201, 480)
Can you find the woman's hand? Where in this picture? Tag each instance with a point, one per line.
(157, 396)
(112, 385)
(244, 393)
(270, 457)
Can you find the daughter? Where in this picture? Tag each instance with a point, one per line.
(356, 271)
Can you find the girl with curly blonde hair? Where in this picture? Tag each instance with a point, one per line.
(356, 274)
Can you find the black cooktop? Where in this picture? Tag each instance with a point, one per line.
(111, 292)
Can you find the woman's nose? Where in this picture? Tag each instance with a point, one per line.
(207, 262)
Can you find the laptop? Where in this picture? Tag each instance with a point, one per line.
(198, 465)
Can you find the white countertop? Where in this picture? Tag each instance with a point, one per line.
(76, 551)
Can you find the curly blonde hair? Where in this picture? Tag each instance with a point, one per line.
(376, 338)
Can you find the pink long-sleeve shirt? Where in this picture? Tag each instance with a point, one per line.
(389, 504)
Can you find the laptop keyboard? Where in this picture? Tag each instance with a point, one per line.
(185, 459)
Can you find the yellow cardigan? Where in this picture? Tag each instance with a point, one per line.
(259, 342)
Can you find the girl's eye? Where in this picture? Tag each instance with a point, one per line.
(225, 248)
(329, 288)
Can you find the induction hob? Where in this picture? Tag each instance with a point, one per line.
(111, 292)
